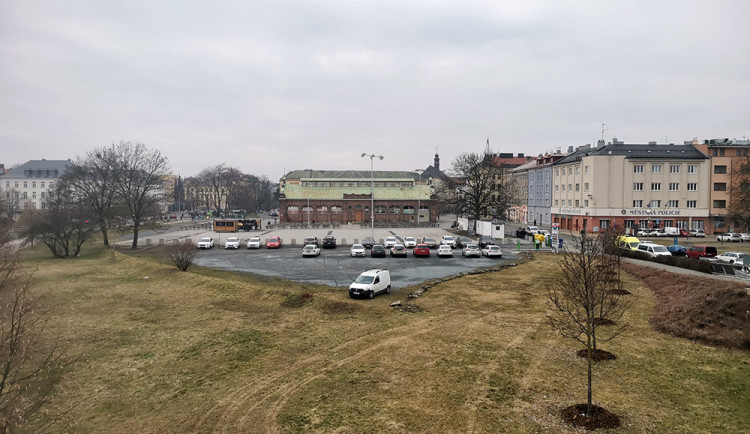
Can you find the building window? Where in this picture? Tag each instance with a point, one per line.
(394, 210)
(586, 203)
(656, 186)
(25, 184)
(570, 170)
(292, 209)
(720, 186)
(674, 168)
(586, 186)
(692, 186)
(7, 184)
(637, 203)
(637, 186)
(557, 172)
(33, 184)
(720, 204)
(604, 224)
(570, 187)
(578, 203)
(720, 169)
(656, 168)
(380, 209)
(409, 210)
(578, 170)
(43, 195)
(654, 204)
(570, 202)
(41, 184)
(563, 187)
(578, 187)
(556, 203)
(643, 224)
(336, 209)
(307, 210)
(673, 204)
(586, 170)
(557, 188)
(692, 168)
(692, 204)
(674, 186)
(33, 194)
(25, 195)
(739, 153)
(629, 224)
(322, 210)
(638, 168)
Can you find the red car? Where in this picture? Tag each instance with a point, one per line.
(273, 243)
(421, 250)
(697, 252)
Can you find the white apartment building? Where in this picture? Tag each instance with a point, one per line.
(27, 185)
(631, 186)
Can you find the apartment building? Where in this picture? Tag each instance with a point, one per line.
(539, 187)
(726, 157)
(631, 186)
(27, 185)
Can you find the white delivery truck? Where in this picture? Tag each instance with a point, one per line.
(371, 282)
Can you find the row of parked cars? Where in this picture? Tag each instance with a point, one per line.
(671, 232)
(733, 237)
(697, 251)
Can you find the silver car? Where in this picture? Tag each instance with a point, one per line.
(471, 250)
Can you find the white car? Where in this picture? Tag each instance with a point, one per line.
(253, 243)
(653, 250)
(444, 250)
(232, 243)
(310, 250)
(448, 240)
(471, 250)
(205, 243)
(410, 242)
(642, 233)
(724, 237)
(370, 283)
(390, 242)
(358, 250)
(744, 237)
(492, 251)
(731, 257)
(698, 233)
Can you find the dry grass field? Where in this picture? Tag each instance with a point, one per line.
(150, 349)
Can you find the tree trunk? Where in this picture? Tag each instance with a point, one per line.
(103, 228)
(135, 236)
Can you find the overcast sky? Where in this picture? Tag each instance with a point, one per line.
(274, 86)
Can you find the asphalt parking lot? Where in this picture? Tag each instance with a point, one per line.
(336, 267)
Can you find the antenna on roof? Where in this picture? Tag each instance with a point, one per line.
(604, 128)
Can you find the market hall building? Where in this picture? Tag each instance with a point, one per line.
(332, 196)
(631, 186)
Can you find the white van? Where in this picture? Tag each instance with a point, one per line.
(672, 231)
(653, 250)
(371, 282)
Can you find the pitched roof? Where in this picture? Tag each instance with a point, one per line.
(636, 151)
(350, 174)
(39, 169)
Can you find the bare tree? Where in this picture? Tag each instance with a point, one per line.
(94, 178)
(63, 224)
(582, 295)
(23, 358)
(739, 203)
(140, 174)
(471, 190)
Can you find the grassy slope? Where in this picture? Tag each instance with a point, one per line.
(205, 351)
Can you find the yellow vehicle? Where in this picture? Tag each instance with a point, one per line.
(627, 242)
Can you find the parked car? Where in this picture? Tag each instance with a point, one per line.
(310, 250)
(642, 233)
(232, 243)
(253, 243)
(471, 250)
(410, 242)
(701, 251)
(377, 251)
(492, 251)
(735, 237)
(731, 257)
(444, 250)
(698, 233)
(677, 250)
(370, 283)
(684, 232)
(273, 214)
(448, 240)
(531, 230)
(368, 242)
(429, 242)
(357, 250)
(724, 237)
(486, 240)
(310, 240)
(744, 237)
(273, 243)
(398, 250)
(205, 243)
(421, 250)
(390, 242)
(329, 242)
(653, 250)
(655, 233)
(461, 242)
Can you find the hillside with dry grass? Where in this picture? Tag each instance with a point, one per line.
(155, 350)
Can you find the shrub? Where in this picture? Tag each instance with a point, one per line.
(182, 255)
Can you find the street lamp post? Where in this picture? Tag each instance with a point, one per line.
(372, 194)
(419, 194)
